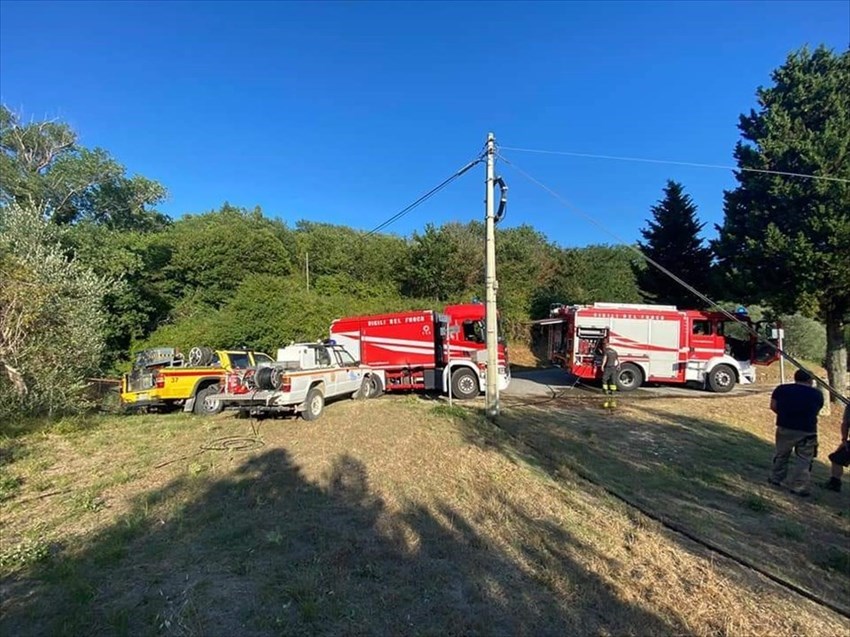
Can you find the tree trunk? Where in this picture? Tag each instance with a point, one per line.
(15, 377)
(836, 353)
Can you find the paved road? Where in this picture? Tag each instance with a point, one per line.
(555, 381)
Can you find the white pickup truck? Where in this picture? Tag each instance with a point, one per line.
(302, 378)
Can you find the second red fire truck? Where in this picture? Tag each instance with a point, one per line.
(657, 343)
(424, 349)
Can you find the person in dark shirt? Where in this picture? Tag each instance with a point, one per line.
(796, 406)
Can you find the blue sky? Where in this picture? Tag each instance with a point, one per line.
(346, 112)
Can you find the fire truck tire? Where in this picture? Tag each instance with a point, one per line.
(721, 379)
(204, 407)
(465, 384)
(314, 404)
(630, 377)
(200, 356)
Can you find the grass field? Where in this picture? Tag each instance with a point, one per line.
(401, 516)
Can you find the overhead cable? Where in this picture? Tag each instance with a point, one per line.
(677, 163)
(423, 198)
(684, 284)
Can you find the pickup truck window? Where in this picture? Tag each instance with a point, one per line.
(344, 358)
(259, 357)
(239, 361)
(323, 358)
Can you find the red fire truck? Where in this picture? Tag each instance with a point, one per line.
(424, 349)
(658, 343)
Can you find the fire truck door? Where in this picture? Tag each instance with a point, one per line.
(705, 342)
(663, 340)
(762, 352)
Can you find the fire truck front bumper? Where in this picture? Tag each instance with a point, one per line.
(748, 374)
(504, 377)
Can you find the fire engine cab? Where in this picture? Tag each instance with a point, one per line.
(658, 343)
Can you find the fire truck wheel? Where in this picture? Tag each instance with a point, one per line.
(721, 379)
(630, 377)
(205, 407)
(465, 384)
(314, 404)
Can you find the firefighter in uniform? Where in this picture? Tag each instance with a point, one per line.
(610, 367)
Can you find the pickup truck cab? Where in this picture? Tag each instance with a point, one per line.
(302, 378)
(163, 377)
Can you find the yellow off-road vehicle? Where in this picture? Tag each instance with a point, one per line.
(163, 378)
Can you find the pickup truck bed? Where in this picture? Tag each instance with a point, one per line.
(300, 381)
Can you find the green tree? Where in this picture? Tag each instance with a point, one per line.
(526, 263)
(672, 240)
(42, 165)
(266, 312)
(143, 295)
(429, 272)
(212, 253)
(595, 273)
(52, 320)
(372, 261)
(785, 240)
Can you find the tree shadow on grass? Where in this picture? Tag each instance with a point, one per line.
(266, 551)
(705, 477)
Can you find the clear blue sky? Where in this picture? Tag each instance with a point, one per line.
(345, 112)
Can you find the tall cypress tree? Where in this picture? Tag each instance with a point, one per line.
(672, 239)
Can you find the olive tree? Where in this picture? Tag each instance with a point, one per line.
(52, 320)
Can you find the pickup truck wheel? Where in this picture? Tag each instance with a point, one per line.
(204, 406)
(364, 391)
(313, 405)
(200, 356)
(465, 384)
(376, 387)
(276, 378)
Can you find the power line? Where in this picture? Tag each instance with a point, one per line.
(677, 163)
(675, 278)
(423, 198)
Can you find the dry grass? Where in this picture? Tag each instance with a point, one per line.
(703, 464)
(521, 355)
(387, 517)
